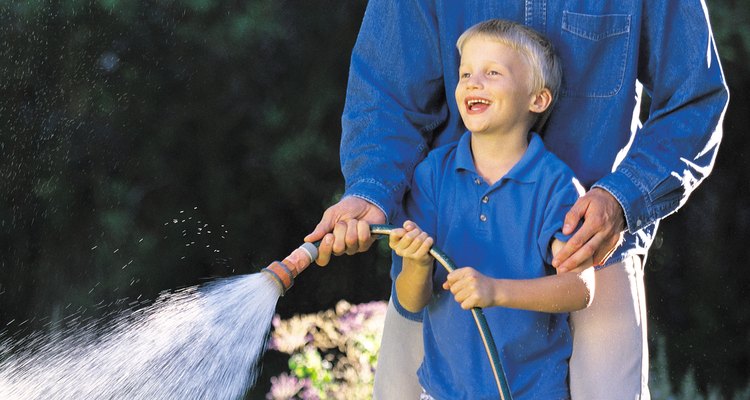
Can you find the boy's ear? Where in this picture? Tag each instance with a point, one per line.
(541, 101)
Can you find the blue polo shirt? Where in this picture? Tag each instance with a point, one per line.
(504, 231)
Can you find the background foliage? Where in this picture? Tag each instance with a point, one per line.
(149, 145)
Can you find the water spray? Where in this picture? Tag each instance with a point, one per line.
(284, 272)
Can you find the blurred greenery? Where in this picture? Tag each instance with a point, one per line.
(149, 145)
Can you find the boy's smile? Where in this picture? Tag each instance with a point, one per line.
(493, 92)
(476, 105)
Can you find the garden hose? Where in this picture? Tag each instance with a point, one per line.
(284, 272)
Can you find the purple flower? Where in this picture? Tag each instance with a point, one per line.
(285, 387)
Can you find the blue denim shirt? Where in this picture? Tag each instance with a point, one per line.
(504, 231)
(404, 70)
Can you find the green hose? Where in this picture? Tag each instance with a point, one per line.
(484, 330)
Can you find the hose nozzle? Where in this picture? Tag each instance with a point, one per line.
(284, 272)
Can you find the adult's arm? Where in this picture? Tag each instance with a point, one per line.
(676, 147)
(395, 100)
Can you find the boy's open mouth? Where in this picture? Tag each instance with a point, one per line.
(477, 104)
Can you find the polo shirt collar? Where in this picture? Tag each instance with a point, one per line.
(525, 169)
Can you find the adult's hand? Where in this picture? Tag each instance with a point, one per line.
(600, 234)
(345, 228)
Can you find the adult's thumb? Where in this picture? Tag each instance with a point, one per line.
(324, 226)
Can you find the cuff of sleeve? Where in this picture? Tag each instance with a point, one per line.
(374, 192)
(631, 198)
(412, 316)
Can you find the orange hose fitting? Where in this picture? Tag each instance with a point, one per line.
(284, 272)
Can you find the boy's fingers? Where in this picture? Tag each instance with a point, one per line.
(417, 242)
(395, 237)
(456, 274)
(426, 246)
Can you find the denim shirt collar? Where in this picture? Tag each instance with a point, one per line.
(524, 171)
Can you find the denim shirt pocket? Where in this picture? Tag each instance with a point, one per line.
(594, 50)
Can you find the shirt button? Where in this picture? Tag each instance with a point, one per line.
(483, 218)
(477, 181)
(485, 199)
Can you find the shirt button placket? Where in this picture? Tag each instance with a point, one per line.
(483, 207)
(485, 199)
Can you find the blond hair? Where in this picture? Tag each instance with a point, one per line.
(546, 71)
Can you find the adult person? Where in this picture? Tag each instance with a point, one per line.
(404, 63)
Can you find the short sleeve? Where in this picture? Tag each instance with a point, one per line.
(419, 206)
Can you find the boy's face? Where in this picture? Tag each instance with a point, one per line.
(493, 92)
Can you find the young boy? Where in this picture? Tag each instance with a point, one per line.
(494, 201)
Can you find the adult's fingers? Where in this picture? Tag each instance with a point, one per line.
(351, 238)
(577, 241)
(364, 237)
(324, 250)
(608, 247)
(583, 252)
(339, 238)
(574, 215)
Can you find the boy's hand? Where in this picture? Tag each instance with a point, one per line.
(345, 228)
(470, 288)
(412, 244)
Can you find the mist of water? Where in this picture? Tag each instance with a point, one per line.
(201, 342)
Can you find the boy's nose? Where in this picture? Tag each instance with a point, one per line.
(475, 82)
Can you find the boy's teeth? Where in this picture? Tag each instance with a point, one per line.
(471, 103)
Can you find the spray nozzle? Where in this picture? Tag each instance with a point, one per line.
(284, 272)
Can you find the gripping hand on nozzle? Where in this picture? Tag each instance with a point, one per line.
(345, 228)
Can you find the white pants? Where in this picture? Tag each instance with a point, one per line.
(610, 351)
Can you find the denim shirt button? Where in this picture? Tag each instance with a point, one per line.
(638, 223)
(483, 218)
(485, 199)
(477, 181)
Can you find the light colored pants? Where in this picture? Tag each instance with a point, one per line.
(610, 351)
(400, 355)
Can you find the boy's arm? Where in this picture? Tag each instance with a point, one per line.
(414, 286)
(414, 282)
(563, 292)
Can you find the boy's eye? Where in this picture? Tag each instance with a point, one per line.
(493, 73)
(465, 75)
